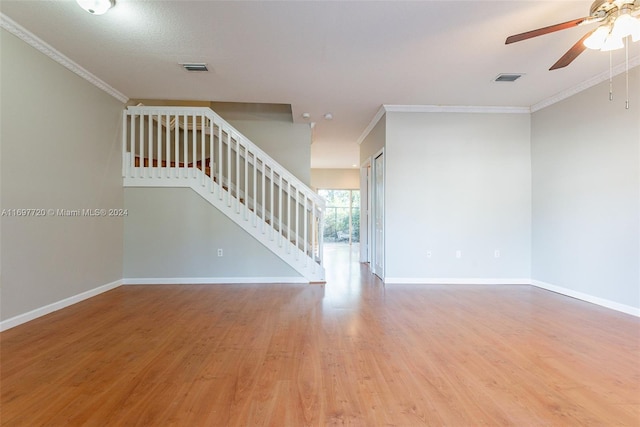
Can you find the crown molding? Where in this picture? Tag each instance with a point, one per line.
(372, 124)
(387, 108)
(456, 109)
(37, 43)
(602, 77)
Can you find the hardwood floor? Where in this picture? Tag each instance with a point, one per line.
(352, 352)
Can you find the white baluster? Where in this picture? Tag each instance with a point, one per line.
(237, 174)
(176, 142)
(219, 161)
(167, 131)
(255, 190)
(185, 143)
(280, 209)
(273, 225)
(297, 225)
(305, 237)
(202, 132)
(159, 151)
(141, 156)
(148, 169)
(211, 164)
(264, 198)
(194, 128)
(289, 215)
(246, 182)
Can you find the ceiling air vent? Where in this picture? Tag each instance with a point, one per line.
(507, 77)
(195, 67)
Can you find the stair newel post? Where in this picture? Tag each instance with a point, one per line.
(132, 144)
(271, 202)
(124, 143)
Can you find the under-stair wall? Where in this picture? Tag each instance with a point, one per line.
(193, 147)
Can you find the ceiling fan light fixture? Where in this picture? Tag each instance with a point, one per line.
(612, 43)
(96, 7)
(626, 25)
(597, 39)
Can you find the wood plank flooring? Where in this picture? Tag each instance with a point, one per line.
(351, 352)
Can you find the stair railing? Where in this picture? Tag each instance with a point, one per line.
(181, 143)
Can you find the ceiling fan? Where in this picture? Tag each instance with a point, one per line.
(619, 19)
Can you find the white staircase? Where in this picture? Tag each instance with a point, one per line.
(194, 147)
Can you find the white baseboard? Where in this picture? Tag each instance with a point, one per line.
(39, 312)
(454, 281)
(211, 280)
(588, 298)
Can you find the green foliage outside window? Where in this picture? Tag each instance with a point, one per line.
(341, 206)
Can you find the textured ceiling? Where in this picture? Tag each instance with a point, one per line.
(346, 58)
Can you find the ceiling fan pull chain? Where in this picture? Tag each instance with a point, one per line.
(626, 55)
(610, 77)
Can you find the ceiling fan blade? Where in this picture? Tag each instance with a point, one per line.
(572, 53)
(545, 30)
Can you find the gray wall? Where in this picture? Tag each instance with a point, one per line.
(60, 140)
(174, 233)
(287, 143)
(586, 193)
(336, 179)
(457, 181)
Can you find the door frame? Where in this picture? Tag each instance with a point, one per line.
(378, 271)
(365, 208)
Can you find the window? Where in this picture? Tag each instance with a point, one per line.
(342, 216)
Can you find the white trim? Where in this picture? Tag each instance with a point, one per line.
(454, 281)
(371, 124)
(455, 109)
(211, 280)
(634, 311)
(37, 43)
(604, 76)
(50, 308)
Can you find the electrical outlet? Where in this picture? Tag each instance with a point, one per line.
(496, 253)
(458, 254)
(220, 253)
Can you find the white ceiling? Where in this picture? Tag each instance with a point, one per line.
(346, 58)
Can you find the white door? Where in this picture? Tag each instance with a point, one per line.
(378, 216)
